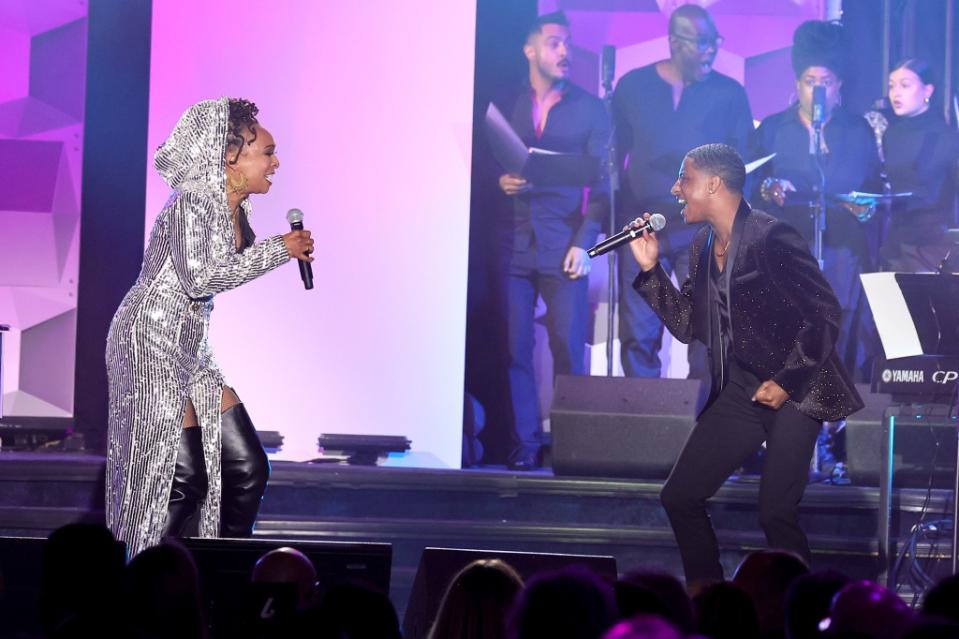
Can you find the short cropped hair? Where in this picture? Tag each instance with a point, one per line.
(556, 17)
(722, 160)
(690, 12)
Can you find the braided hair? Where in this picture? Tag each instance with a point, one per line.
(242, 116)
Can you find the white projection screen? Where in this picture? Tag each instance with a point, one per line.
(371, 106)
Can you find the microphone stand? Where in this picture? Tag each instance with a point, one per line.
(955, 502)
(819, 207)
(613, 172)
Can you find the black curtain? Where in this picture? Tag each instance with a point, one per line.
(917, 29)
(500, 32)
(114, 191)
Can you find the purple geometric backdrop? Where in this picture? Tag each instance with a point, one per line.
(43, 52)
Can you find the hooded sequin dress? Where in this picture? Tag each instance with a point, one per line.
(157, 352)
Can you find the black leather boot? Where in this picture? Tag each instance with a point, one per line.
(189, 485)
(245, 470)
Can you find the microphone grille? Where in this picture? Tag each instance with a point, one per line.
(294, 215)
(657, 221)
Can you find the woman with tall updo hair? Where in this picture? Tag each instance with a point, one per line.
(180, 442)
(788, 184)
(921, 155)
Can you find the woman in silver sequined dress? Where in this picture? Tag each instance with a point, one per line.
(180, 441)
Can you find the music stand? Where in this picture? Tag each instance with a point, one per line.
(916, 314)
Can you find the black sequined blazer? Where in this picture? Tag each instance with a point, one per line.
(784, 315)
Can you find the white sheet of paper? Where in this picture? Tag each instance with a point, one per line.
(506, 146)
(755, 164)
(893, 320)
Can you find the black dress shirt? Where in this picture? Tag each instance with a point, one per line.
(652, 136)
(852, 163)
(549, 220)
(921, 154)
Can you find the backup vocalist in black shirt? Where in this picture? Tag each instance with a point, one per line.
(921, 154)
(660, 112)
(550, 232)
(788, 183)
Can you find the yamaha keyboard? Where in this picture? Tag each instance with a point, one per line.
(923, 379)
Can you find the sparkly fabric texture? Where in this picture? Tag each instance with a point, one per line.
(157, 352)
(784, 315)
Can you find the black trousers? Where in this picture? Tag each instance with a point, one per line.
(727, 433)
(640, 330)
(567, 312)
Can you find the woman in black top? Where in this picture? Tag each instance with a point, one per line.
(921, 153)
(788, 183)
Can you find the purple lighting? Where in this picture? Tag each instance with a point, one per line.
(43, 71)
(30, 170)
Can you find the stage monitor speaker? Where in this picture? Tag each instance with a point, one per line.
(924, 445)
(225, 567)
(619, 426)
(438, 566)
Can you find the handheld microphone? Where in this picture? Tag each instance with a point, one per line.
(818, 106)
(295, 218)
(656, 222)
(608, 66)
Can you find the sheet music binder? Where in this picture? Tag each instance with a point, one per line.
(540, 167)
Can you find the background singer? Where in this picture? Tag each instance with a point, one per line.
(661, 111)
(550, 233)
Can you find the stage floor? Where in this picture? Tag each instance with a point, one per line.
(483, 508)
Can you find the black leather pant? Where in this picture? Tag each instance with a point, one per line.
(245, 470)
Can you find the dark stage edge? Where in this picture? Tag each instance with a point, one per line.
(488, 509)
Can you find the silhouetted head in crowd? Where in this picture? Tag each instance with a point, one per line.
(81, 572)
(866, 610)
(477, 602)
(656, 593)
(766, 575)
(943, 600)
(725, 611)
(288, 566)
(644, 627)
(352, 611)
(931, 629)
(162, 594)
(808, 601)
(572, 603)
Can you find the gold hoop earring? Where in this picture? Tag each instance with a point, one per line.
(237, 186)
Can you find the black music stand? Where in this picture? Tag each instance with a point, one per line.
(917, 314)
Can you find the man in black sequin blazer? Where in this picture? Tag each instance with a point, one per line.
(769, 319)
